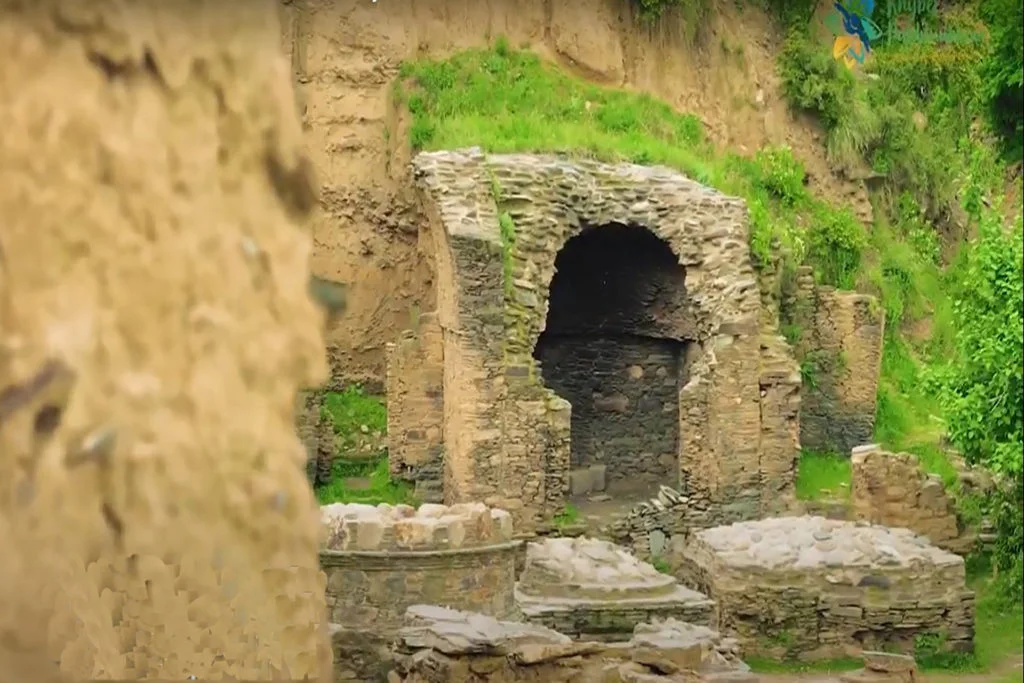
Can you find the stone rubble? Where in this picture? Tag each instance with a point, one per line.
(439, 645)
(884, 667)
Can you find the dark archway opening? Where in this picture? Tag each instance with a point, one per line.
(615, 346)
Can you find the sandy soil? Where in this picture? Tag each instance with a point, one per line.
(154, 328)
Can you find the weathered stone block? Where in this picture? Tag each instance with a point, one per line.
(812, 588)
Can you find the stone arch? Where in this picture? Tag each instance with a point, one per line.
(498, 223)
(614, 344)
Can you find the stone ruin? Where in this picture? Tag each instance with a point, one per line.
(794, 587)
(891, 489)
(380, 560)
(813, 588)
(445, 646)
(594, 590)
(551, 354)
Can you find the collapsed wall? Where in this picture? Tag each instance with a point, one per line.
(154, 328)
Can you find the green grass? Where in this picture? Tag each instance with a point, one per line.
(379, 489)
(999, 627)
(822, 476)
(359, 422)
(568, 516)
(762, 665)
(505, 101)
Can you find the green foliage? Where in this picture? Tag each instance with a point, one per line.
(567, 516)
(1003, 71)
(791, 13)
(661, 565)
(836, 241)
(781, 174)
(507, 230)
(359, 471)
(983, 390)
(815, 82)
(822, 476)
(692, 12)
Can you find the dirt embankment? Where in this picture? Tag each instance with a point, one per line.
(346, 53)
(154, 329)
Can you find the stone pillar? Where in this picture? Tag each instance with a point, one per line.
(841, 353)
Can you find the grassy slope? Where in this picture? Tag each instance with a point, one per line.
(509, 101)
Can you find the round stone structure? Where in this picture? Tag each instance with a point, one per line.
(814, 588)
(380, 560)
(595, 590)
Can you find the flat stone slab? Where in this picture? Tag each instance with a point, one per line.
(589, 569)
(463, 633)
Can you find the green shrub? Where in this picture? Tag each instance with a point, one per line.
(781, 174)
(814, 81)
(836, 241)
(1003, 71)
(983, 391)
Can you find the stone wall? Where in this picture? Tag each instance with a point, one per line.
(812, 588)
(415, 394)
(892, 489)
(380, 560)
(840, 347)
(506, 435)
(625, 403)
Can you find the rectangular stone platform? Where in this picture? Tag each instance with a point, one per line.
(813, 588)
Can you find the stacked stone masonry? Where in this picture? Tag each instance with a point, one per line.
(415, 391)
(380, 560)
(593, 590)
(506, 436)
(659, 528)
(447, 646)
(891, 489)
(840, 347)
(813, 588)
